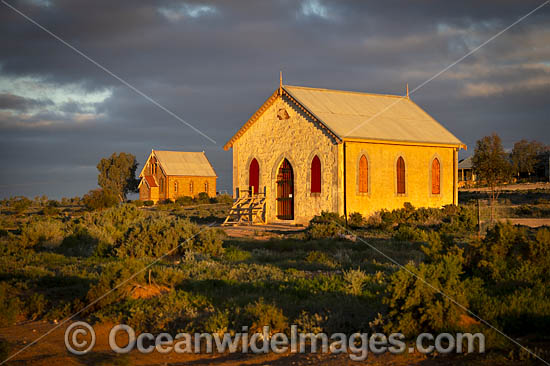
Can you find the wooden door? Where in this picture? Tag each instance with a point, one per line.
(285, 192)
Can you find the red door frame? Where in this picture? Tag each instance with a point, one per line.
(285, 192)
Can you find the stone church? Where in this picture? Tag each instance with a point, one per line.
(310, 150)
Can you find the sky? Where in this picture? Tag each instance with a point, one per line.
(213, 63)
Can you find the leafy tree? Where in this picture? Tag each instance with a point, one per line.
(524, 156)
(491, 164)
(117, 174)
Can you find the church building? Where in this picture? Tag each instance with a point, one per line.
(310, 150)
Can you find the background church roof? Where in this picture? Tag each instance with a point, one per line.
(371, 116)
(184, 163)
(466, 163)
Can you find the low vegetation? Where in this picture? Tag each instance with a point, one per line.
(180, 274)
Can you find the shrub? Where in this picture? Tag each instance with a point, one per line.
(158, 236)
(356, 220)
(79, 243)
(326, 225)
(224, 198)
(234, 254)
(355, 281)
(98, 199)
(20, 204)
(138, 203)
(5, 349)
(203, 197)
(42, 232)
(416, 307)
(260, 314)
(409, 233)
(148, 203)
(9, 306)
(166, 201)
(318, 257)
(185, 201)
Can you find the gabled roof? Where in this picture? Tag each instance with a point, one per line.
(182, 163)
(151, 182)
(354, 115)
(466, 163)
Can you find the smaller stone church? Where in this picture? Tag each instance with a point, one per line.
(173, 174)
(307, 150)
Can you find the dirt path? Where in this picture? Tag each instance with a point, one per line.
(51, 351)
(260, 232)
(528, 222)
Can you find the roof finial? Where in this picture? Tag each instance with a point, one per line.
(407, 90)
(281, 82)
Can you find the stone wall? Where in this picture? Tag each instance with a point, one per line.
(285, 132)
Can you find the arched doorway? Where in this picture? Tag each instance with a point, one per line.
(285, 192)
(254, 176)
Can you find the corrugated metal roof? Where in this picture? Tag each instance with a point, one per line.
(184, 163)
(371, 116)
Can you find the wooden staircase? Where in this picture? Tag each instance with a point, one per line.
(249, 208)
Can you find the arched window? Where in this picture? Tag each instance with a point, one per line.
(436, 176)
(400, 175)
(161, 184)
(254, 175)
(316, 175)
(363, 174)
(176, 187)
(191, 187)
(206, 187)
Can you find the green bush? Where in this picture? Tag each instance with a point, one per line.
(9, 306)
(355, 281)
(42, 232)
(326, 225)
(319, 257)
(261, 313)
(138, 203)
(153, 237)
(148, 203)
(98, 199)
(234, 254)
(79, 243)
(224, 198)
(409, 233)
(185, 201)
(356, 220)
(50, 210)
(20, 204)
(415, 307)
(203, 197)
(5, 349)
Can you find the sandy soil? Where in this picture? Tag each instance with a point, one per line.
(51, 351)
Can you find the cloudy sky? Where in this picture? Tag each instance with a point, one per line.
(213, 63)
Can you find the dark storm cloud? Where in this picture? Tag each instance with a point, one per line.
(214, 62)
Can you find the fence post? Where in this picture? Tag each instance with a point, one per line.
(478, 218)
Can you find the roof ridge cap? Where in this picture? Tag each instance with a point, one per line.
(346, 91)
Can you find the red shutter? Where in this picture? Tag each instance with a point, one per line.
(363, 175)
(436, 180)
(254, 175)
(400, 176)
(316, 175)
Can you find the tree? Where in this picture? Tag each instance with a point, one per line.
(117, 174)
(524, 156)
(491, 164)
